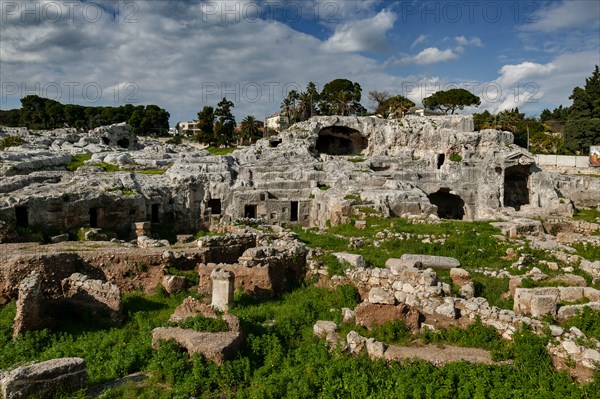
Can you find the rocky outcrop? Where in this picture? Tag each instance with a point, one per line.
(44, 379)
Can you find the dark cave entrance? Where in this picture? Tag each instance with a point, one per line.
(215, 206)
(340, 140)
(22, 216)
(516, 186)
(250, 211)
(155, 217)
(294, 211)
(449, 206)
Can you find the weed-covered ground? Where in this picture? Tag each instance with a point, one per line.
(282, 359)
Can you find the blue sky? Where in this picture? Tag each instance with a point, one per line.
(184, 55)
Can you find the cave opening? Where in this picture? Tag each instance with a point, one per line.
(449, 206)
(341, 140)
(516, 186)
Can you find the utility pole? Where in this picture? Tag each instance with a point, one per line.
(527, 137)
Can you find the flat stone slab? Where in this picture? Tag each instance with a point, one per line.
(435, 262)
(438, 356)
(44, 379)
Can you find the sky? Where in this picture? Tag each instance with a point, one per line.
(184, 55)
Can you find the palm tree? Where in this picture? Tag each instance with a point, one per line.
(343, 103)
(287, 107)
(305, 105)
(249, 129)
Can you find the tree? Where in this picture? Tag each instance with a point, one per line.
(206, 125)
(225, 123)
(332, 101)
(378, 97)
(249, 130)
(396, 106)
(313, 94)
(451, 100)
(583, 122)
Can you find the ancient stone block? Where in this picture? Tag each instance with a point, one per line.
(381, 296)
(356, 342)
(324, 327)
(44, 379)
(352, 259)
(370, 315)
(542, 305)
(222, 289)
(570, 294)
(100, 298)
(460, 276)
(173, 284)
(29, 305)
(216, 347)
(435, 262)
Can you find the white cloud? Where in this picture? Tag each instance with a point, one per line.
(172, 58)
(561, 16)
(531, 86)
(430, 55)
(418, 40)
(361, 35)
(473, 41)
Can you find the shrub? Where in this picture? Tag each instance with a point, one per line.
(10, 141)
(78, 161)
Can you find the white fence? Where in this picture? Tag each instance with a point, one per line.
(571, 161)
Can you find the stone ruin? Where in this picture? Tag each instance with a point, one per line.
(317, 171)
(215, 346)
(80, 295)
(405, 290)
(44, 379)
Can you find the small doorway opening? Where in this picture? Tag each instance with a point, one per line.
(516, 186)
(93, 217)
(155, 213)
(215, 206)
(250, 211)
(294, 211)
(441, 158)
(22, 216)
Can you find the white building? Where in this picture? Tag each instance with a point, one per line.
(189, 128)
(278, 122)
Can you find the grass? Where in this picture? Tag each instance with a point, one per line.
(455, 158)
(78, 161)
(588, 215)
(356, 159)
(220, 151)
(10, 141)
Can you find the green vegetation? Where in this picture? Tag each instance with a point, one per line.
(356, 159)
(10, 141)
(128, 191)
(352, 197)
(216, 125)
(455, 157)
(202, 324)
(43, 113)
(588, 215)
(220, 151)
(588, 321)
(78, 161)
(388, 105)
(324, 187)
(587, 250)
(451, 100)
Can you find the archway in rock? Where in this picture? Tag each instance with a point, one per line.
(341, 140)
(516, 186)
(449, 206)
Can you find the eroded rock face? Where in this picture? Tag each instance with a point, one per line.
(412, 166)
(44, 379)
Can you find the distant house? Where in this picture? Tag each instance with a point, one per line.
(422, 112)
(278, 121)
(189, 128)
